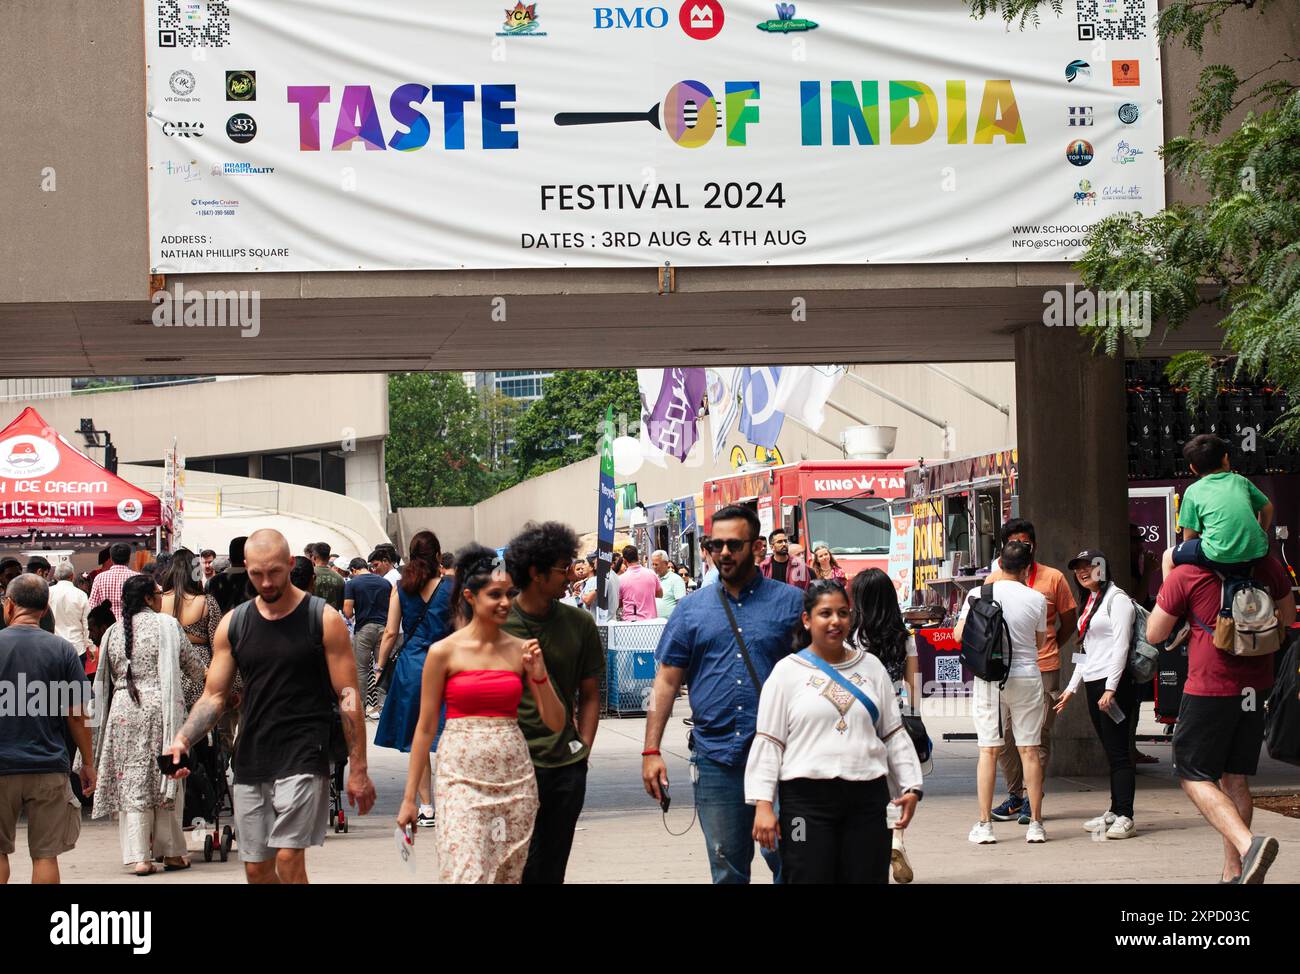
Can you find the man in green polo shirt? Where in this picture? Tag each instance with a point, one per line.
(329, 583)
(540, 560)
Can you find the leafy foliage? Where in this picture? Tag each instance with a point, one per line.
(438, 451)
(565, 425)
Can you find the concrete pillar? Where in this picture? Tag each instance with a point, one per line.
(1073, 451)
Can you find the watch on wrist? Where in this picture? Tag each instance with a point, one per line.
(915, 791)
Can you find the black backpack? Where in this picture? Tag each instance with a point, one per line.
(1282, 711)
(986, 640)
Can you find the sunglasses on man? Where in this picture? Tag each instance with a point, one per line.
(715, 545)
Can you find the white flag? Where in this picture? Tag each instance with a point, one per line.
(804, 389)
(724, 409)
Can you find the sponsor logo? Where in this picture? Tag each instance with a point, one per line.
(1085, 195)
(1125, 153)
(1124, 74)
(183, 130)
(521, 21)
(27, 456)
(1078, 72)
(1130, 113)
(129, 509)
(1080, 115)
(188, 171)
(182, 83)
(786, 22)
(241, 86)
(240, 169)
(634, 18)
(701, 20)
(241, 128)
(1121, 193)
(1079, 152)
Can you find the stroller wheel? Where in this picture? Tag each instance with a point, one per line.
(207, 848)
(345, 827)
(225, 846)
(226, 834)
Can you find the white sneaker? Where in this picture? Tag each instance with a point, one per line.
(898, 860)
(982, 833)
(1100, 823)
(1122, 828)
(1036, 832)
(425, 818)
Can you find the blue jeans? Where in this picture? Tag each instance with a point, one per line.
(727, 822)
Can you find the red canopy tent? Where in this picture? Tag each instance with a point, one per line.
(49, 487)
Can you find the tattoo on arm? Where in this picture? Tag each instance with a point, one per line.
(202, 719)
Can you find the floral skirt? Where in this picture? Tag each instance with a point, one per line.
(485, 793)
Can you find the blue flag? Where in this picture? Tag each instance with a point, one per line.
(760, 420)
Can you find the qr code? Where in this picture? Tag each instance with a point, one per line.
(193, 23)
(1112, 20)
(947, 669)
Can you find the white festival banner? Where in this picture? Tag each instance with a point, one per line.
(427, 134)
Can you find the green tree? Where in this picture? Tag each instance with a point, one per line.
(566, 424)
(438, 447)
(1239, 249)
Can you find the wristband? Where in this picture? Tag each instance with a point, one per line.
(651, 752)
(545, 679)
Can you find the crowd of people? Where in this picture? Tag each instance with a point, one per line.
(804, 692)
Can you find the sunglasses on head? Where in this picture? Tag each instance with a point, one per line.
(733, 545)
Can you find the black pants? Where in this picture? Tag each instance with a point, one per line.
(561, 792)
(1115, 740)
(834, 831)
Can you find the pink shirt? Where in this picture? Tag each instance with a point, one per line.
(636, 593)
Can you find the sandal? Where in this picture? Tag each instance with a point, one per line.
(148, 871)
(172, 867)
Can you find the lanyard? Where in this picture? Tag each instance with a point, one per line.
(1033, 573)
(1094, 604)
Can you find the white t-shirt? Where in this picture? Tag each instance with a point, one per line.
(1025, 613)
(810, 727)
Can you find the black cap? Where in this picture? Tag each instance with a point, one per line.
(1089, 556)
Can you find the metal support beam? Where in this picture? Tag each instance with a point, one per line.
(902, 403)
(813, 432)
(1002, 407)
(851, 415)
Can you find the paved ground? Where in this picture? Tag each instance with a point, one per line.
(622, 839)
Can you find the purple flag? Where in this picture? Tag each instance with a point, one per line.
(672, 424)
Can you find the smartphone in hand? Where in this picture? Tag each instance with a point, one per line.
(168, 766)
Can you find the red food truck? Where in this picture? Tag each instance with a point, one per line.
(845, 503)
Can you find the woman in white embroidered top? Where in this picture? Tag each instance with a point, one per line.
(1105, 626)
(828, 755)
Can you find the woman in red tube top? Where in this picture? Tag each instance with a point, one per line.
(485, 790)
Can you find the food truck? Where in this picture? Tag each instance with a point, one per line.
(846, 503)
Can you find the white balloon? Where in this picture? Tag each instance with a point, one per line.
(627, 456)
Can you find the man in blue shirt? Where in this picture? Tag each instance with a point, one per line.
(699, 648)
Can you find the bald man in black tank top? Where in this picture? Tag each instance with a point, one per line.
(292, 678)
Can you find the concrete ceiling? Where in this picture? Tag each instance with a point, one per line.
(541, 330)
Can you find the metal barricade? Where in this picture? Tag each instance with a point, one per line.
(629, 666)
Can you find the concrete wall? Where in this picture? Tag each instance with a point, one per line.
(324, 506)
(258, 414)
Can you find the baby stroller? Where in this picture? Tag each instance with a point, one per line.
(338, 763)
(208, 797)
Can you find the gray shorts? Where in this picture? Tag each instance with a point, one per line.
(288, 813)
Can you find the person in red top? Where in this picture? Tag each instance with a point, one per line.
(1221, 719)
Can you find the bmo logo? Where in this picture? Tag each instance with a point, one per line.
(701, 19)
(635, 18)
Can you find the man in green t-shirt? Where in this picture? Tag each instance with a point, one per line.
(1223, 516)
(329, 583)
(674, 587)
(540, 561)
